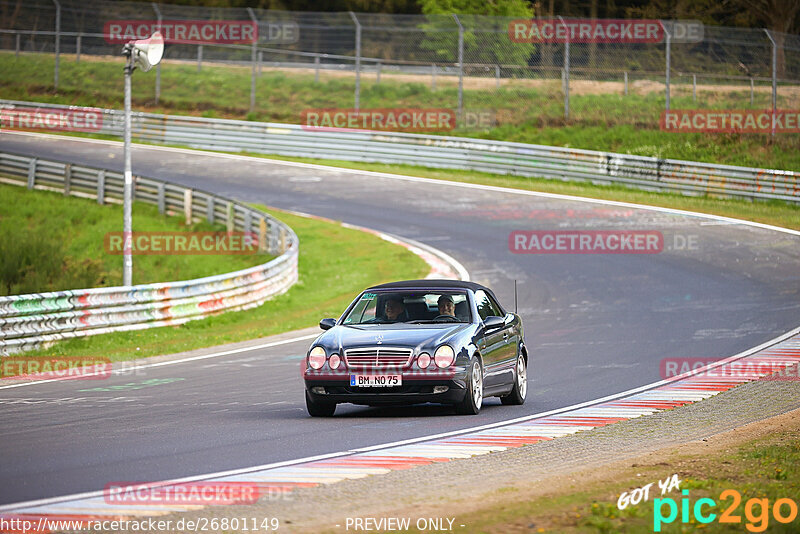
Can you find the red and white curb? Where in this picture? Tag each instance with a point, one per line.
(779, 354)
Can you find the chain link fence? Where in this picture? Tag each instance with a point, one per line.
(468, 63)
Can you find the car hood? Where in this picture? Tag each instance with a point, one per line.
(396, 335)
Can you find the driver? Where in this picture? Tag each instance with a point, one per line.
(395, 310)
(446, 306)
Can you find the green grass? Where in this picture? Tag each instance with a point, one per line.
(335, 264)
(609, 122)
(50, 242)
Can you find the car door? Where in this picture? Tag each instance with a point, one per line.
(493, 344)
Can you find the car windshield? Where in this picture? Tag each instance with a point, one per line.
(410, 306)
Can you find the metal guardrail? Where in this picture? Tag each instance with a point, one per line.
(30, 321)
(648, 173)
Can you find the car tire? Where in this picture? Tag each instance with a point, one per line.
(473, 400)
(520, 389)
(319, 409)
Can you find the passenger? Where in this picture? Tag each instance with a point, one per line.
(446, 306)
(395, 310)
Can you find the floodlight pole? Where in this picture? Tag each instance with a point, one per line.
(127, 235)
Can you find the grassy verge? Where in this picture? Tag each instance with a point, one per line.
(764, 468)
(335, 264)
(50, 242)
(525, 113)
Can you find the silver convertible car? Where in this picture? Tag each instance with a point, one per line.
(441, 341)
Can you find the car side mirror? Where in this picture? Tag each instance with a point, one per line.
(327, 324)
(493, 323)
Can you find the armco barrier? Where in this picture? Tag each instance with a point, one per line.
(28, 321)
(520, 159)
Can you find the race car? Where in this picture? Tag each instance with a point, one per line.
(418, 341)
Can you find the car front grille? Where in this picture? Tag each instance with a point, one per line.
(377, 357)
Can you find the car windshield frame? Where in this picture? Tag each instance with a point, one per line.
(419, 303)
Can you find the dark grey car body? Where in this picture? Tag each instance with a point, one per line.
(495, 341)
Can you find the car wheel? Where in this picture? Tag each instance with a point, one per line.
(319, 409)
(473, 400)
(520, 389)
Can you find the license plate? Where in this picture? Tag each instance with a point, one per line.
(376, 381)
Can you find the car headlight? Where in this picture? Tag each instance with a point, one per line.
(424, 360)
(334, 361)
(316, 358)
(444, 356)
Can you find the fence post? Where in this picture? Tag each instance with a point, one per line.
(378, 73)
(158, 67)
(260, 61)
(187, 206)
(16, 50)
(67, 178)
(262, 235)
(433, 76)
(668, 37)
(199, 57)
(162, 201)
(58, 42)
(316, 68)
(253, 60)
(101, 187)
(78, 49)
(497, 76)
(752, 89)
(694, 87)
(460, 67)
(231, 218)
(774, 79)
(32, 173)
(358, 59)
(626, 83)
(566, 71)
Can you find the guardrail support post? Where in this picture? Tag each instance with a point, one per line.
(316, 69)
(358, 59)
(162, 201)
(210, 209)
(199, 58)
(626, 83)
(101, 187)
(32, 173)
(67, 178)
(187, 206)
(231, 218)
(16, 50)
(378, 73)
(78, 49)
(57, 42)
(158, 67)
(433, 76)
(262, 235)
(248, 221)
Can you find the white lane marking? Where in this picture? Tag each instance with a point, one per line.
(127, 370)
(498, 189)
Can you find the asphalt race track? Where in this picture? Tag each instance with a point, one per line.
(596, 324)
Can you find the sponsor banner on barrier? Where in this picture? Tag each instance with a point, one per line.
(586, 242)
(77, 367)
(730, 121)
(58, 119)
(182, 31)
(191, 493)
(746, 368)
(182, 243)
(585, 31)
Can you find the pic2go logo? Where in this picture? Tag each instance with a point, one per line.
(756, 511)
